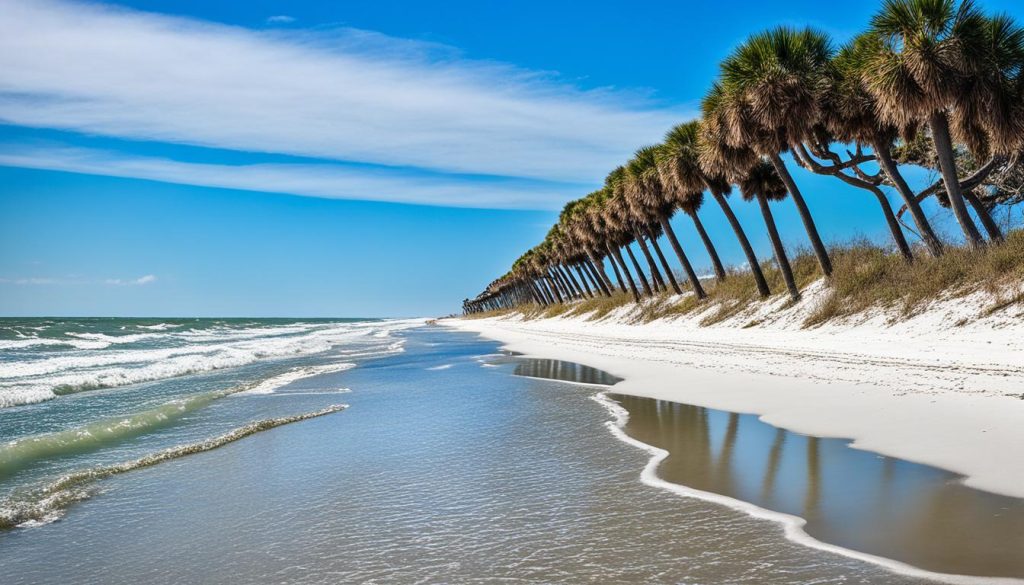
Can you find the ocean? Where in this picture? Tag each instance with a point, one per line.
(347, 451)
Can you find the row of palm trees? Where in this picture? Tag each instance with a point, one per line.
(939, 72)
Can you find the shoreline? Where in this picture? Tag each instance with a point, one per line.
(793, 526)
(949, 398)
(518, 340)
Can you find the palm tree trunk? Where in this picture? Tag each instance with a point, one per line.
(687, 267)
(884, 154)
(994, 233)
(568, 277)
(615, 267)
(594, 278)
(554, 288)
(805, 215)
(567, 290)
(716, 262)
(755, 268)
(632, 285)
(597, 267)
(557, 286)
(582, 280)
(780, 252)
(894, 226)
(540, 297)
(664, 263)
(947, 165)
(639, 272)
(656, 279)
(546, 290)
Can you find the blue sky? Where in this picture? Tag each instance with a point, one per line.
(316, 158)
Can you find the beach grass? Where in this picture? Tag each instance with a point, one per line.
(867, 277)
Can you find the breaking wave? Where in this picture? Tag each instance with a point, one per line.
(17, 454)
(95, 360)
(271, 385)
(48, 502)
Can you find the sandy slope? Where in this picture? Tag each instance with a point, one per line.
(923, 389)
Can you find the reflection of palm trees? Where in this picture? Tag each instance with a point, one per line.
(813, 496)
(723, 467)
(774, 458)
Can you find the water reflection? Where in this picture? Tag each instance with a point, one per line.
(857, 499)
(566, 371)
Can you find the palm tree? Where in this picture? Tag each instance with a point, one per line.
(683, 183)
(583, 227)
(762, 182)
(852, 116)
(645, 191)
(989, 115)
(690, 163)
(926, 50)
(691, 203)
(576, 231)
(592, 214)
(770, 99)
(606, 222)
(632, 219)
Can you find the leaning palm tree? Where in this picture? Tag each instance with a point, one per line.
(989, 113)
(851, 115)
(576, 234)
(634, 219)
(695, 159)
(762, 182)
(582, 226)
(592, 215)
(645, 191)
(770, 100)
(619, 218)
(606, 218)
(926, 51)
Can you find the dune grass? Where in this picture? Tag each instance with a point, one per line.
(866, 276)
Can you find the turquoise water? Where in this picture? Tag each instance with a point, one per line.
(342, 452)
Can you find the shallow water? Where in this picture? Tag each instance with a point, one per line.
(856, 499)
(446, 467)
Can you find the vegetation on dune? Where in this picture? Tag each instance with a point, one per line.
(867, 276)
(937, 84)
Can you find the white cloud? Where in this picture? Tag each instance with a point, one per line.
(36, 281)
(345, 95)
(142, 280)
(30, 281)
(317, 180)
(280, 19)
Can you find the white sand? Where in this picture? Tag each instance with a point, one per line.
(924, 389)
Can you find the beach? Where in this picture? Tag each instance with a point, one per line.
(399, 452)
(923, 389)
(451, 461)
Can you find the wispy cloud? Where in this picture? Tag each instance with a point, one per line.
(140, 281)
(41, 281)
(30, 281)
(280, 19)
(330, 181)
(344, 95)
